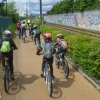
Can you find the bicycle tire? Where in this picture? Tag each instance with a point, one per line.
(56, 61)
(6, 81)
(65, 68)
(49, 84)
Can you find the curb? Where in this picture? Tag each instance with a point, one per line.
(89, 79)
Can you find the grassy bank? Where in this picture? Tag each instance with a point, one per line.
(83, 49)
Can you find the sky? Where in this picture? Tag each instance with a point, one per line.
(33, 6)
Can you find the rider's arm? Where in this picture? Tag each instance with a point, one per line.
(13, 45)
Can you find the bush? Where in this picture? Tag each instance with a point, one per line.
(83, 49)
(12, 28)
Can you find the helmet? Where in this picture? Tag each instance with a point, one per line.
(60, 36)
(47, 35)
(7, 33)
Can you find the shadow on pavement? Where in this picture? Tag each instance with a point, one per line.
(63, 83)
(57, 92)
(28, 41)
(20, 81)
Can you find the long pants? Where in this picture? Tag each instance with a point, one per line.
(23, 33)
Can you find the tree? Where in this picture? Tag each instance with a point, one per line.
(11, 11)
(66, 6)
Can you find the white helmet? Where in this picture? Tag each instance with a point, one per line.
(7, 33)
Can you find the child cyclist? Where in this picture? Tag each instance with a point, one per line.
(61, 45)
(48, 50)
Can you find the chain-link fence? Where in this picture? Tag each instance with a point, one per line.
(4, 22)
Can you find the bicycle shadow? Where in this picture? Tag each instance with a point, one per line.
(57, 92)
(20, 82)
(63, 83)
(28, 41)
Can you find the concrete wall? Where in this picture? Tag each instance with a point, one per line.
(87, 19)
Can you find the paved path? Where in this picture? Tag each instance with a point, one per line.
(30, 86)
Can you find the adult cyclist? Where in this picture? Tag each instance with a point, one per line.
(23, 29)
(48, 50)
(6, 48)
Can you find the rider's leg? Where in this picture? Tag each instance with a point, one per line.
(51, 66)
(34, 40)
(22, 33)
(11, 66)
(43, 65)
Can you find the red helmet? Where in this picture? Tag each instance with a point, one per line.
(47, 35)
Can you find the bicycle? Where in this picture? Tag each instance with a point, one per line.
(48, 78)
(61, 61)
(6, 75)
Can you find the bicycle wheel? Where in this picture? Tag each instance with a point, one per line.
(57, 62)
(65, 68)
(6, 80)
(49, 83)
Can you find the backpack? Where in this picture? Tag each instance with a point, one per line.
(5, 47)
(63, 44)
(23, 26)
(48, 50)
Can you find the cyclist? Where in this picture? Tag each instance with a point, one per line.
(23, 29)
(6, 48)
(36, 33)
(18, 27)
(31, 27)
(61, 44)
(48, 50)
(28, 22)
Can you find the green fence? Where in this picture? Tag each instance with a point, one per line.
(4, 22)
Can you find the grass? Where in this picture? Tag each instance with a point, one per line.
(83, 49)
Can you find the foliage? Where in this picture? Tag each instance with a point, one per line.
(12, 28)
(83, 49)
(66, 6)
(11, 11)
